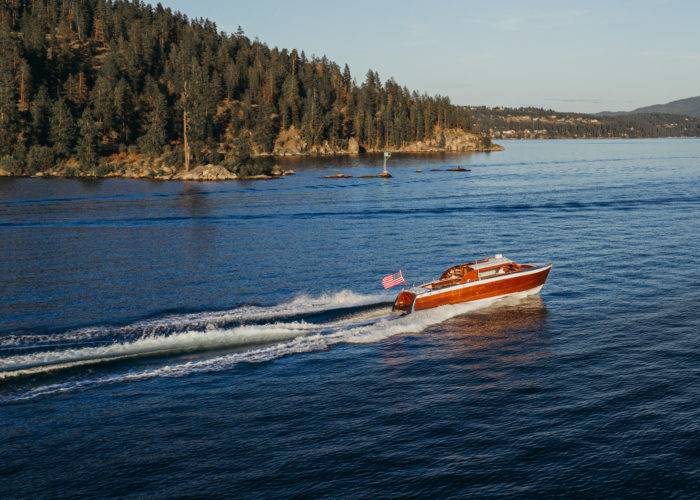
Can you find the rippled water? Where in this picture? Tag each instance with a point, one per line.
(162, 338)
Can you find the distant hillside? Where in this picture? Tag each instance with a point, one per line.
(689, 107)
(538, 123)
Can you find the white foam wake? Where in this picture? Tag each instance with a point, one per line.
(298, 306)
(191, 341)
(286, 338)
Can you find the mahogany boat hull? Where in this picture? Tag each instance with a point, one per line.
(530, 281)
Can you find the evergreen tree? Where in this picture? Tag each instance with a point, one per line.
(312, 121)
(154, 138)
(238, 155)
(87, 148)
(103, 102)
(9, 117)
(124, 111)
(264, 128)
(290, 103)
(40, 111)
(39, 158)
(62, 128)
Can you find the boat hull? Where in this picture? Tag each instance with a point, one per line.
(530, 281)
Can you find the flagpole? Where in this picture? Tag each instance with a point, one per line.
(406, 283)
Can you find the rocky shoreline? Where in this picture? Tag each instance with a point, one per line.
(289, 144)
(448, 140)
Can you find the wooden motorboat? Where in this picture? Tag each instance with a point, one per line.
(488, 278)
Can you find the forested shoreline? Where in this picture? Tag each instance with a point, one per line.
(99, 87)
(83, 80)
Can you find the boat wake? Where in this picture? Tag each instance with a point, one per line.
(218, 340)
(302, 306)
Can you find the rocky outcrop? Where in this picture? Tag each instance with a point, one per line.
(278, 171)
(206, 173)
(337, 175)
(353, 146)
(289, 143)
(326, 149)
(135, 166)
(455, 140)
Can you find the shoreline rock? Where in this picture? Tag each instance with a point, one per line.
(337, 175)
(444, 140)
(131, 165)
(206, 173)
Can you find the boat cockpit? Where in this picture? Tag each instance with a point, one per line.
(475, 271)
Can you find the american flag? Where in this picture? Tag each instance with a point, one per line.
(393, 280)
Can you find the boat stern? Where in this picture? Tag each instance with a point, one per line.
(404, 301)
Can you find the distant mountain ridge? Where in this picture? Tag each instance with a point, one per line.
(689, 106)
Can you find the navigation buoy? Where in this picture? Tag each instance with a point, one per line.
(385, 173)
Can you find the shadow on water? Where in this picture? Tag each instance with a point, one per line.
(90, 184)
(193, 199)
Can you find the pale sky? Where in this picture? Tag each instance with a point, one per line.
(569, 56)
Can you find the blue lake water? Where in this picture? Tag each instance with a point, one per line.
(163, 338)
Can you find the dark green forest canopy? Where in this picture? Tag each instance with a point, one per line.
(109, 75)
(83, 79)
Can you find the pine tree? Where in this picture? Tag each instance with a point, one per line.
(124, 105)
(102, 100)
(24, 85)
(290, 103)
(40, 110)
(154, 138)
(238, 154)
(88, 147)
(264, 130)
(62, 128)
(312, 121)
(231, 81)
(347, 79)
(9, 117)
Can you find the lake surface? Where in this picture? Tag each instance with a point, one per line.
(162, 338)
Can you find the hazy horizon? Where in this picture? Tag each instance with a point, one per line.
(561, 55)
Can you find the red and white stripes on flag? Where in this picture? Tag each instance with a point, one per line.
(393, 280)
